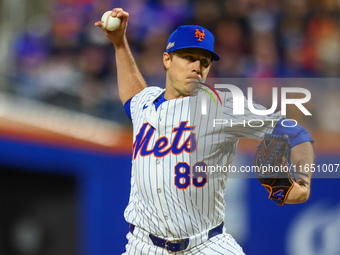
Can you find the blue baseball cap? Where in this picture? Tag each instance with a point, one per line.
(192, 36)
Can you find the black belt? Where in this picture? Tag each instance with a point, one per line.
(180, 245)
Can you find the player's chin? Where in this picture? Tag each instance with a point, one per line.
(193, 87)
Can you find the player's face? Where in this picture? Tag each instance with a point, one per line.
(184, 68)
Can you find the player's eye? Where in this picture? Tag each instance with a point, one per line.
(205, 62)
(190, 58)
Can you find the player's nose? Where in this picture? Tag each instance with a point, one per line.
(197, 67)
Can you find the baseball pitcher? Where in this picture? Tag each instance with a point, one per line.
(175, 206)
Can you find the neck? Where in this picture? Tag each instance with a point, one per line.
(168, 95)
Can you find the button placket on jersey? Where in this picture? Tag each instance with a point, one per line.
(160, 163)
(161, 120)
(160, 188)
(159, 169)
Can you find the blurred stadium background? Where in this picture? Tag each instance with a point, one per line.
(65, 140)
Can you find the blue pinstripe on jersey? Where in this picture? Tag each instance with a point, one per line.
(156, 205)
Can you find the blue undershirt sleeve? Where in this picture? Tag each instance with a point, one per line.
(128, 109)
(297, 134)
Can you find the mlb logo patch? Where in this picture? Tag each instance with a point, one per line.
(170, 45)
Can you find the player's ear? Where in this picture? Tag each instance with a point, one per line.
(166, 60)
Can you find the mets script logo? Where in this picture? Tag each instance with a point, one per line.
(162, 146)
(209, 93)
(199, 35)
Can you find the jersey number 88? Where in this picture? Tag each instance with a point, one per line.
(183, 176)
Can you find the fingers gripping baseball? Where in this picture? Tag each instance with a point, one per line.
(116, 36)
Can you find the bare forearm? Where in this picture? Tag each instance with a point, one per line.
(130, 80)
(302, 156)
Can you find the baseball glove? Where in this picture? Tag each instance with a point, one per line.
(272, 161)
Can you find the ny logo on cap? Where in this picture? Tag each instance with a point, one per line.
(199, 35)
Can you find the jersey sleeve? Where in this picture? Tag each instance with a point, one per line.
(297, 134)
(135, 105)
(127, 109)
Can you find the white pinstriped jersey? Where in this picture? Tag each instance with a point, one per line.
(168, 198)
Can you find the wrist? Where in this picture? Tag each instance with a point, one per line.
(122, 44)
(298, 194)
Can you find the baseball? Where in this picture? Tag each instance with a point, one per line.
(110, 23)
